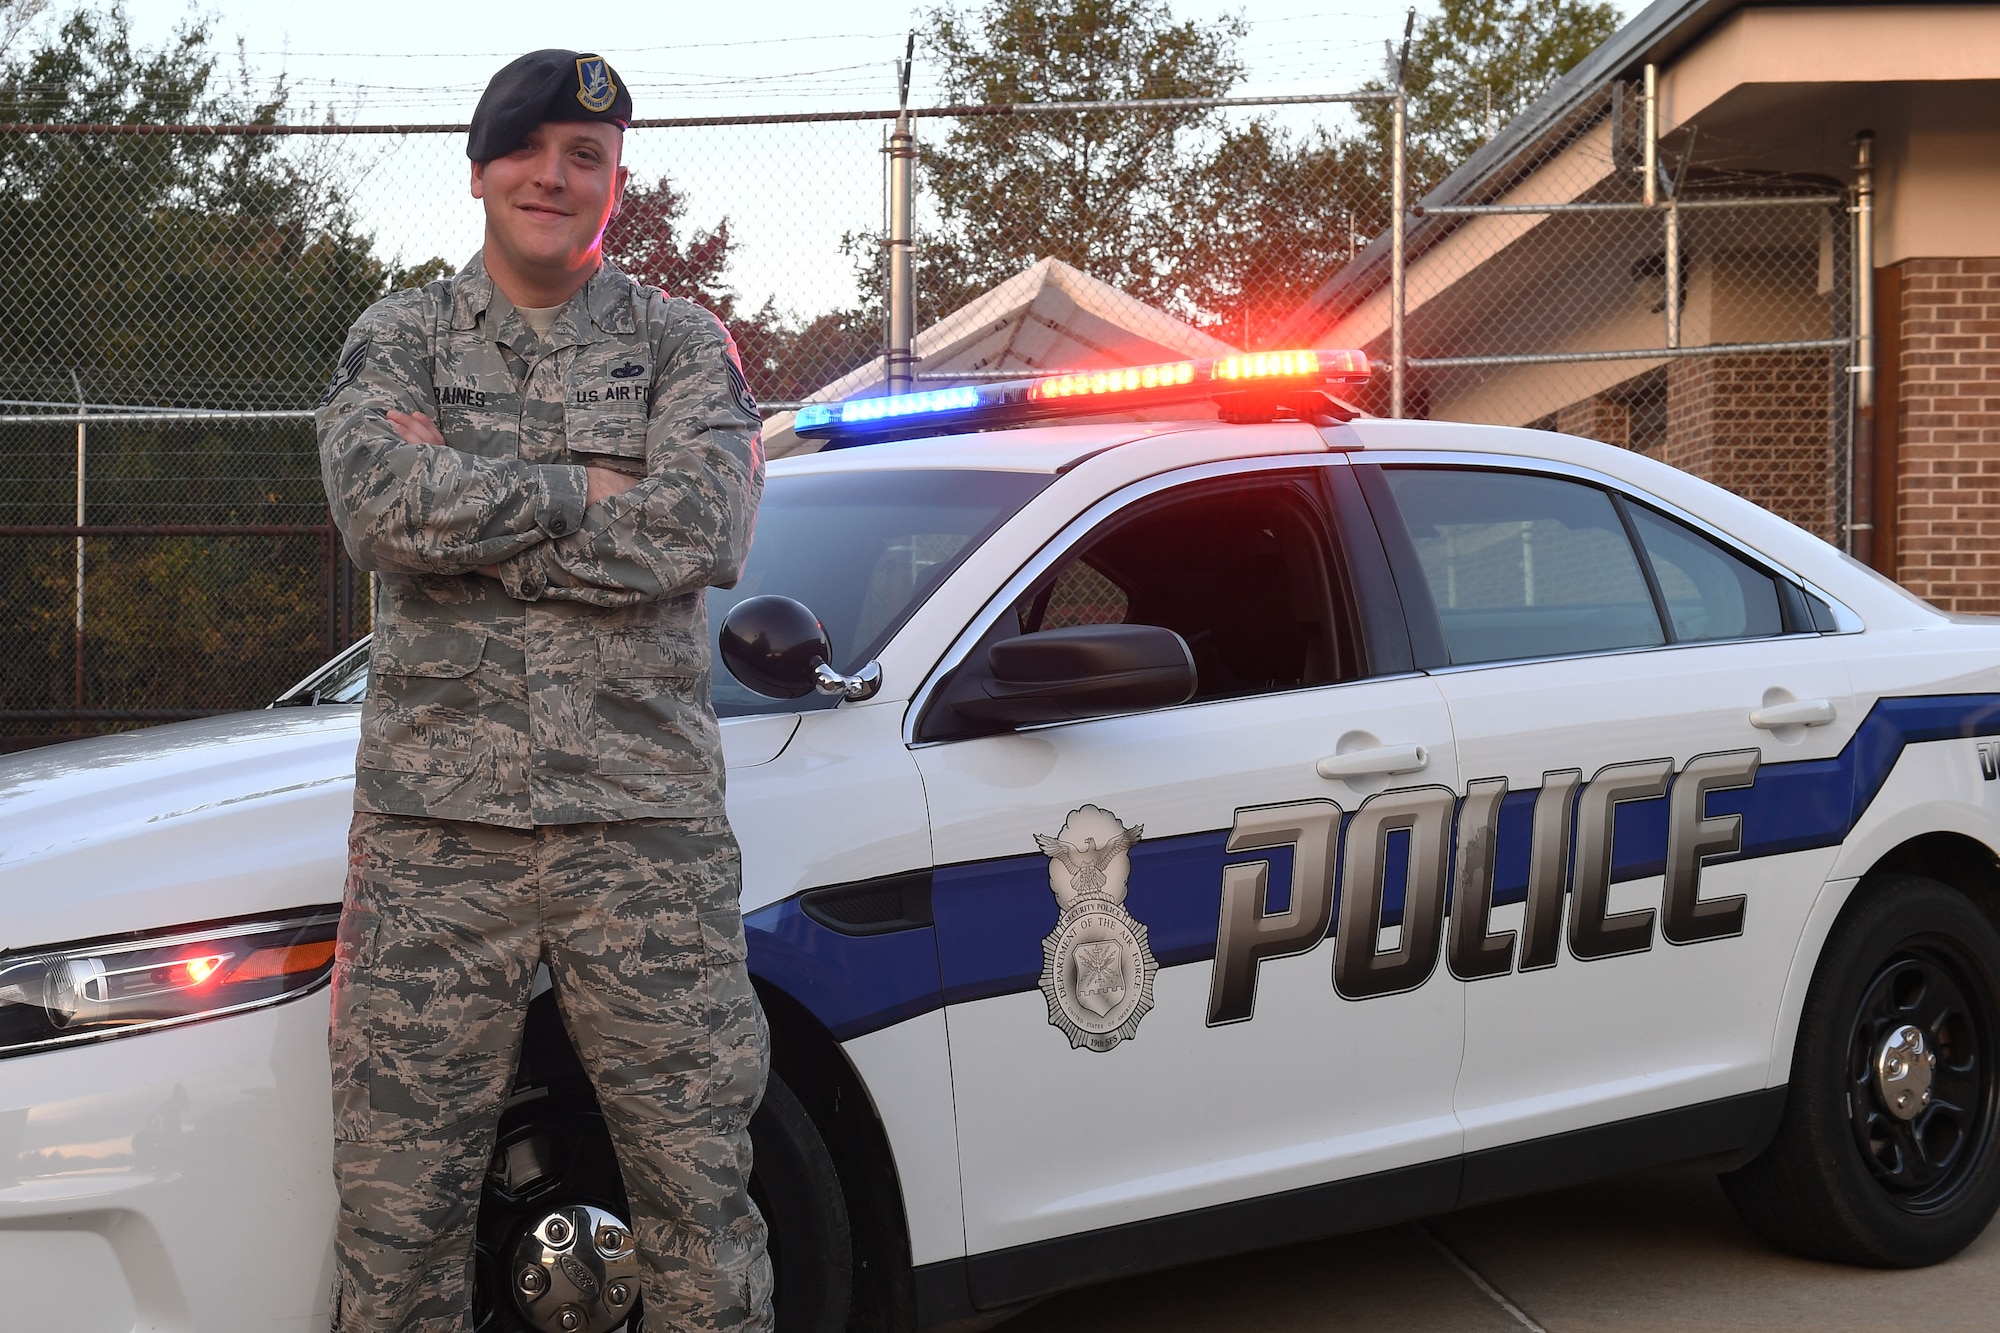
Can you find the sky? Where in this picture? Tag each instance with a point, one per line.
(393, 59)
(788, 193)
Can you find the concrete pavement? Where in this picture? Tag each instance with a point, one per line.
(1643, 1253)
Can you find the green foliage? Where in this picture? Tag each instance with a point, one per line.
(785, 357)
(1475, 65)
(1224, 223)
(175, 270)
(1092, 186)
(185, 270)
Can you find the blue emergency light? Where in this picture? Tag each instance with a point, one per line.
(1246, 386)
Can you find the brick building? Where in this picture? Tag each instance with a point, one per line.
(1719, 340)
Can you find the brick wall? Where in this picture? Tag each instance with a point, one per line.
(1597, 419)
(1761, 426)
(1948, 455)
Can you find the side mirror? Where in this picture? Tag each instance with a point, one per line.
(777, 647)
(1083, 671)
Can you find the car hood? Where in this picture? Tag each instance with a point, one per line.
(180, 823)
(196, 821)
(108, 786)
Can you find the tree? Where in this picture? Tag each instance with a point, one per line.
(644, 239)
(1223, 222)
(1272, 216)
(1474, 66)
(785, 357)
(1089, 188)
(185, 271)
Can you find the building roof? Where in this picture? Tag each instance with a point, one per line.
(1659, 32)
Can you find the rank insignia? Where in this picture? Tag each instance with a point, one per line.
(1097, 967)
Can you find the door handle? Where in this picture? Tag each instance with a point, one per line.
(1368, 763)
(1798, 713)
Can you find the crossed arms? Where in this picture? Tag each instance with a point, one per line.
(406, 501)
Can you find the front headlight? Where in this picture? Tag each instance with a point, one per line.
(109, 988)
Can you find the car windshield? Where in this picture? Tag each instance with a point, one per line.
(863, 550)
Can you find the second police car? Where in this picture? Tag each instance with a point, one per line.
(1162, 838)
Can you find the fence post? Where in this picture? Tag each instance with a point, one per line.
(1862, 367)
(901, 368)
(1399, 203)
(1649, 147)
(82, 444)
(1672, 304)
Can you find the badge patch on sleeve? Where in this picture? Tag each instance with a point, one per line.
(739, 389)
(346, 372)
(594, 88)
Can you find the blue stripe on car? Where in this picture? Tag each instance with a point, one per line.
(993, 915)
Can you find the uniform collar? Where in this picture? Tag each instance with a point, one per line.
(604, 306)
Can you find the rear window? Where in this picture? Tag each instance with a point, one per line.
(1524, 566)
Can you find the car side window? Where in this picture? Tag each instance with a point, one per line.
(1710, 592)
(1241, 570)
(1524, 566)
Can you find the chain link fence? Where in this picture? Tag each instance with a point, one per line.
(1703, 322)
(175, 297)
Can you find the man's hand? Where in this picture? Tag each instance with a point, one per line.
(414, 428)
(601, 483)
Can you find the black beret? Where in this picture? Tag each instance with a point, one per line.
(542, 86)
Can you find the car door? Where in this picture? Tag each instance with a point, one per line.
(1651, 726)
(1111, 1063)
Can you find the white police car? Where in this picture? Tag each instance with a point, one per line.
(1202, 834)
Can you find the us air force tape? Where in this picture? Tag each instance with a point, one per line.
(543, 86)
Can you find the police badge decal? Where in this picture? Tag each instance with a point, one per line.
(1097, 968)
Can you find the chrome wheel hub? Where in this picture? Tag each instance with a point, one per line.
(1904, 1066)
(575, 1271)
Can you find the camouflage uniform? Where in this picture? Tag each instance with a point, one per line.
(539, 779)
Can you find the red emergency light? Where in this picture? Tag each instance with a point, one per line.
(1247, 386)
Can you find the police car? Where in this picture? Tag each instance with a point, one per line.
(1180, 815)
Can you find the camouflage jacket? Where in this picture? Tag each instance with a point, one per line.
(574, 688)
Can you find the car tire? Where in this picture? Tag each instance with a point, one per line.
(793, 1182)
(1886, 1152)
(798, 1192)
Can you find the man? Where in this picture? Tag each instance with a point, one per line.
(544, 464)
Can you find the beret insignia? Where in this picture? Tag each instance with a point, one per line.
(594, 88)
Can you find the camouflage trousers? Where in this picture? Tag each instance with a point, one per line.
(639, 924)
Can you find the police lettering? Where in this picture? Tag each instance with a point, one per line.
(1453, 841)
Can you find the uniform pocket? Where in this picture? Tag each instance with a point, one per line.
(613, 430)
(435, 654)
(652, 708)
(347, 1038)
(722, 937)
(421, 717)
(354, 942)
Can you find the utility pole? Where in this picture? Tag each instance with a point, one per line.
(1862, 370)
(900, 357)
(1399, 204)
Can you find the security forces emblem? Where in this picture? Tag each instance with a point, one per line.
(594, 88)
(1097, 967)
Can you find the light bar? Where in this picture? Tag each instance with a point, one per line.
(860, 411)
(1256, 384)
(1090, 382)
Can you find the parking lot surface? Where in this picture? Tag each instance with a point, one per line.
(1643, 1253)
